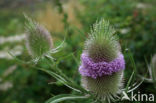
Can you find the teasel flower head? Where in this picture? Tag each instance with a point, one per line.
(102, 62)
(38, 39)
(153, 67)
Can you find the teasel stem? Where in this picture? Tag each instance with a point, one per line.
(70, 81)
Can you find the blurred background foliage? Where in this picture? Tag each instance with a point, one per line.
(134, 20)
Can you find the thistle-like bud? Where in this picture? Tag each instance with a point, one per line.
(38, 39)
(102, 62)
(153, 67)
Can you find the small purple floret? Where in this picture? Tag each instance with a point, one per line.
(92, 69)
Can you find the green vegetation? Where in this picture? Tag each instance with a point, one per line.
(134, 21)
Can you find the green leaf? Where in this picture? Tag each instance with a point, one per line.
(129, 81)
(61, 79)
(63, 97)
(134, 71)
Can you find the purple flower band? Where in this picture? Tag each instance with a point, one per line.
(91, 69)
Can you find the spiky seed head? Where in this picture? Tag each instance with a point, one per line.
(102, 44)
(105, 87)
(153, 66)
(38, 39)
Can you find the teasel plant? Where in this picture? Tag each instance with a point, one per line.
(39, 42)
(102, 64)
(40, 46)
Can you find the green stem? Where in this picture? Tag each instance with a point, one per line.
(69, 81)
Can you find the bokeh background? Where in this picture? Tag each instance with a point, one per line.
(134, 21)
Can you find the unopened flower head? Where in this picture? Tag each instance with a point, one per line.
(102, 62)
(38, 39)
